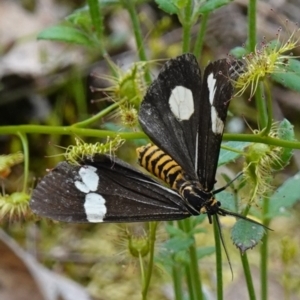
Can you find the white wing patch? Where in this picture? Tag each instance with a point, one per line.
(95, 208)
(94, 204)
(211, 82)
(217, 123)
(181, 103)
(90, 179)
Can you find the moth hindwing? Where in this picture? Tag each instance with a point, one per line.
(184, 117)
(104, 190)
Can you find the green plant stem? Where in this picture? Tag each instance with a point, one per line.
(72, 130)
(142, 269)
(176, 275)
(24, 141)
(218, 259)
(200, 38)
(96, 13)
(246, 210)
(69, 130)
(189, 282)
(192, 268)
(260, 103)
(190, 287)
(232, 150)
(129, 5)
(256, 138)
(152, 237)
(261, 107)
(177, 281)
(269, 109)
(251, 25)
(77, 88)
(264, 253)
(248, 277)
(187, 25)
(99, 115)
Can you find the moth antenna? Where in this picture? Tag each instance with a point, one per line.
(224, 212)
(228, 184)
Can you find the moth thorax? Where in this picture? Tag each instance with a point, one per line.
(201, 201)
(157, 162)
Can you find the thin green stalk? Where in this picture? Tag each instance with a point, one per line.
(264, 253)
(269, 109)
(246, 210)
(24, 141)
(200, 38)
(72, 130)
(248, 277)
(69, 130)
(252, 25)
(189, 282)
(218, 259)
(177, 281)
(193, 267)
(260, 103)
(142, 269)
(256, 138)
(195, 272)
(99, 115)
(176, 275)
(96, 13)
(129, 5)
(187, 25)
(232, 150)
(152, 237)
(261, 107)
(78, 90)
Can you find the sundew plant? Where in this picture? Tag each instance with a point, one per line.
(174, 252)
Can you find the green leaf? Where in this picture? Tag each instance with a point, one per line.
(205, 251)
(285, 132)
(227, 156)
(290, 75)
(238, 52)
(196, 220)
(285, 197)
(80, 17)
(175, 231)
(177, 244)
(167, 6)
(212, 5)
(227, 200)
(65, 34)
(245, 235)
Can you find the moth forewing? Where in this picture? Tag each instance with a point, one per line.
(216, 93)
(169, 113)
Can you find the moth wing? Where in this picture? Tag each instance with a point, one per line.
(216, 92)
(122, 194)
(170, 110)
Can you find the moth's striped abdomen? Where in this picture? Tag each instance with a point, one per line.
(158, 163)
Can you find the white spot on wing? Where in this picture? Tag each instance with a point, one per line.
(211, 83)
(217, 123)
(95, 208)
(90, 179)
(81, 187)
(181, 103)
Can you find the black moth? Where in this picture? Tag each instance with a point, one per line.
(184, 117)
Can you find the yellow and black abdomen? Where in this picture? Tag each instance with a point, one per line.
(158, 163)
